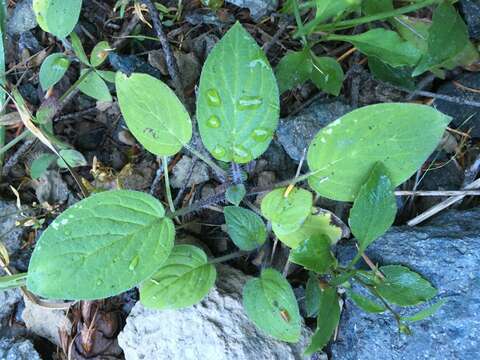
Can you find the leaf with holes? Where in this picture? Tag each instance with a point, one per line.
(153, 113)
(270, 303)
(101, 246)
(401, 136)
(245, 228)
(183, 280)
(238, 101)
(57, 17)
(52, 70)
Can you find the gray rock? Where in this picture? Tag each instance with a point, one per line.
(258, 8)
(446, 252)
(471, 13)
(215, 329)
(22, 18)
(8, 300)
(182, 170)
(296, 132)
(17, 349)
(464, 116)
(11, 234)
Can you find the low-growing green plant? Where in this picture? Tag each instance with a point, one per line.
(113, 241)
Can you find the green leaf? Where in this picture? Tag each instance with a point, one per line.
(397, 76)
(447, 37)
(404, 287)
(327, 9)
(270, 303)
(107, 75)
(292, 209)
(374, 209)
(72, 157)
(101, 246)
(383, 44)
(93, 85)
(238, 101)
(52, 70)
(78, 48)
(401, 136)
(372, 7)
(320, 224)
(327, 320)
(235, 194)
(327, 74)
(40, 165)
(293, 69)
(365, 303)
(153, 113)
(183, 280)
(429, 311)
(413, 30)
(245, 228)
(99, 53)
(312, 295)
(314, 254)
(57, 17)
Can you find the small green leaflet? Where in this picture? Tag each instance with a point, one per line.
(401, 136)
(314, 254)
(78, 48)
(319, 224)
(428, 311)
(245, 228)
(93, 85)
(57, 17)
(235, 194)
(383, 44)
(287, 209)
(101, 246)
(312, 295)
(52, 70)
(366, 304)
(327, 9)
(374, 209)
(327, 74)
(183, 280)
(40, 165)
(99, 53)
(404, 287)
(153, 113)
(270, 303)
(371, 7)
(72, 157)
(396, 76)
(238, 101)
(327, 320)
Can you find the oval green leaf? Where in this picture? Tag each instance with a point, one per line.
(40, 165)
(238, 101)
(52, 70)
(57, 17)
(93, 85)
(314, 254)
(99, 53)
(246, 229)
(153, 113)
(293, 69)
(270, 303)
(327, 74)
(365, 303)
(183, 280)
(101, 246)
(71, 157)
(401, 136)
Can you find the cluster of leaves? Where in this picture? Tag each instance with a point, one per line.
(112, 241)
(397, 55)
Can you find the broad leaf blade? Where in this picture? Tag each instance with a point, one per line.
(235, 194)
(404, 287)
(271, 304)
(293, 70)
(183, 280)
(40, 165)
(153, 113)
(314, 254)
(52, 70)
(99, 53)
(57, 17)
(93, 85)
(401, 136)
(238, 101)
(101, 246)
(327, 74)
(287, 209)
(245, 228)
(374, 209)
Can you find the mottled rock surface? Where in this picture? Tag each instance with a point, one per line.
(471, 13)
(447, 253)
(215, 329)
(258, 8)
(17, 349)
(22, 18)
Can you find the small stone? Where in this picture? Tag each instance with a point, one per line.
(8, 300)
(22, 18)
(258, 8)
(17, 349)
(471, 13)
(12, 234)
(217, 328)
(182, 170)
(296, 132)
(50, 188)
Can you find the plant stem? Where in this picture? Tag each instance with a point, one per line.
(206, 160)
(167, 184)
(14, 142)
(228, 257)
(299, 22)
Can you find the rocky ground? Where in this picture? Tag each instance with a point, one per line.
(444, 249)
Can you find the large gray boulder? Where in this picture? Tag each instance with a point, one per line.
(446, 252)
(215, 329)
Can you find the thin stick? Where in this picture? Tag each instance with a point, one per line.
(438, 193)
(228, 257)
(167, 185)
